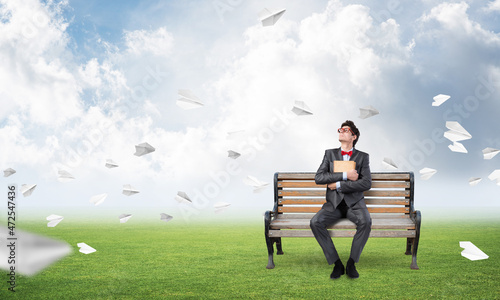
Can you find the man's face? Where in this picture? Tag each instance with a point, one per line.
(346, 135)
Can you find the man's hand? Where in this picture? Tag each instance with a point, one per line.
(352, 175)
(332, 186)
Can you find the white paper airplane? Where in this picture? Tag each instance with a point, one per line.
(188, 100)
(258, 185)
(54, 220)
(301, 109)
(427, 173)
(472, 252)
(98, 199)
(165, 217)
(474, 181)
(64, 176)
(456, 132)
(269, 18)
(389, 164)
(495, 176)
(8, 172)
(111, 164)
(27, 189)
(129, 190)
(368, 111)
(457, 147)
(35, 252)
(489, 153)
(182, 197)
(143, 149)
(221, 206)
(86, 249)
(124, 217)
(233, 154)
(440, 99)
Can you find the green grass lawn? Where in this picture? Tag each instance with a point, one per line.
(138, 260)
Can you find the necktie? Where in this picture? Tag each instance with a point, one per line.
(345, 152)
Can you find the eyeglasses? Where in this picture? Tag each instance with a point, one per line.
(345, 130)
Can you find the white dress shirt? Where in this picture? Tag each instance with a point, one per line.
(344, 174)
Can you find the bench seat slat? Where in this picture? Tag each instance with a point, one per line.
(406, 223)
(313, 209)
(319, 193)
(344, 233)
(310, 215)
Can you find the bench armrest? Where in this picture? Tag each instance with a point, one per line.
(416, 216)
(267, 221)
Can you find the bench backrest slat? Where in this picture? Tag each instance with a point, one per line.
(375, 176)
(318, 201)
(312, 209)
(321, 193)
(312, 184)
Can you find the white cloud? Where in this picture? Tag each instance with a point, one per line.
(454, 20)
(36, 28)
(493, 6)
(22, 150)
(343, 33)
(141, 42)
(90, 74)
(38, 75)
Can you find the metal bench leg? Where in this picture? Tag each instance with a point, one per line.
(414, 255)
(418, 220)
(409, 243)
(270, 252)
(269, 240)
(278, 246)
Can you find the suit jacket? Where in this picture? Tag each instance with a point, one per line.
(351, 191)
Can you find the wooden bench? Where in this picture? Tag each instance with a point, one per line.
(390, 203)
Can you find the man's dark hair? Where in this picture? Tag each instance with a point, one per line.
(354, 129)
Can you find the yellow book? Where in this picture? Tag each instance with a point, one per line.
(343, 166)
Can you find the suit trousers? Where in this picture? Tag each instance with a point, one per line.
(358, 214)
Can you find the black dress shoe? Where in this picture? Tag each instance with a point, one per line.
(338, 271)
(351, 270)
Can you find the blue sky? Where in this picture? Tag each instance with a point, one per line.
(84, 81)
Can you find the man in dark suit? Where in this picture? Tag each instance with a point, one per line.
(344, 199)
